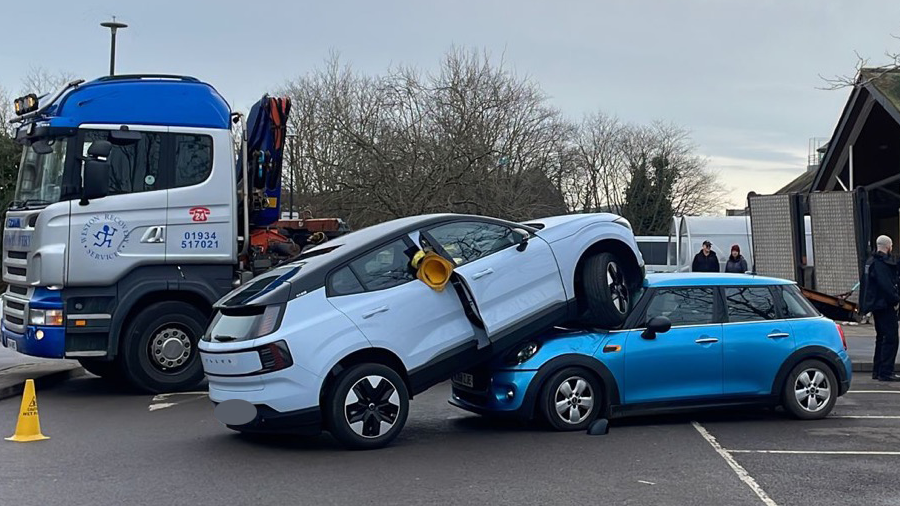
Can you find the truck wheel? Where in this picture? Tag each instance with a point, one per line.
(106, 369)
(606, 290)
(367, 407)
(159, 349)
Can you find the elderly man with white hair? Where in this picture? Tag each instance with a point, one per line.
(881, 297)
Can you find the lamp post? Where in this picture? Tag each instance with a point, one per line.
(113, 26)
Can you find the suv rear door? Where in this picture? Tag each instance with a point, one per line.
(427, 329)
(757, 340)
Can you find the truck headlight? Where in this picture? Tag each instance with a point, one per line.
(45, 317)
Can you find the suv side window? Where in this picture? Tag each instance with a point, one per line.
(193, 159)
(386, 267)
(683, 306)
(344, 282)
(794, 304)
(750, 304)
(134, 167)
(467, 241)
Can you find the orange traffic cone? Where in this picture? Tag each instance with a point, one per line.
(28, 428)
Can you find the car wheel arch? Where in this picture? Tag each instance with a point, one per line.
(381, 356)
(820, 353)
(615, 246)
(596, 367)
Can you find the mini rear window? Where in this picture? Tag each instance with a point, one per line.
(750, 304)
(794, 304)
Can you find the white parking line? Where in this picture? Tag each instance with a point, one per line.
(737, 468)
(867, 417)
(873, 391)
(813, 452)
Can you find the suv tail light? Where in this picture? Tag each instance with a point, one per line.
(841, 332)
(275, 357)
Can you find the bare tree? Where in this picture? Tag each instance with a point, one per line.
(471, 137)
(40, 81)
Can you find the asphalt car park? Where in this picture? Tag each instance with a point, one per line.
(112, 447)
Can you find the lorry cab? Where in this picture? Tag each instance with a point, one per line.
(122, 277)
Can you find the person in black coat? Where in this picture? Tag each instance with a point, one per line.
(705, 260)
(881, 298)
(736, 263)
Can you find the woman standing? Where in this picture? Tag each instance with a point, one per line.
(736, 262)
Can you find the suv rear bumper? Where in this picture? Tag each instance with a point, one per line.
(305, 422)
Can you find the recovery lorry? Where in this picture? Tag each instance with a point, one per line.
(140, 201)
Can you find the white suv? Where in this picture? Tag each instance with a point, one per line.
(342, 337)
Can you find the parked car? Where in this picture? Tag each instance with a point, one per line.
(692, 341)
(345, 335)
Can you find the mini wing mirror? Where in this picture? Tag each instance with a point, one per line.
(656, 325)
(524, 236)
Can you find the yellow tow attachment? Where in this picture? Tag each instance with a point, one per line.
(28, 428)
(432, 269)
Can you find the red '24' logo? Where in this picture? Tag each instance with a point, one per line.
(199, 213)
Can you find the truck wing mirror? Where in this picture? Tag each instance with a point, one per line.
(125, 137)
(95, 180)
(99, 149)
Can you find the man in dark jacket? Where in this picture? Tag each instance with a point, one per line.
(706, 260)
(881, 298)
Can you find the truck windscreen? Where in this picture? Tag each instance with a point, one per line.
(40, 175)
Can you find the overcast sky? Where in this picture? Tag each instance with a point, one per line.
(742, 76)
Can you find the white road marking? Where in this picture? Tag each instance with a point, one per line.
(162, 397)
(742, 473)
(157, 401)
(646, 482)
(814, 452)
(873, 391)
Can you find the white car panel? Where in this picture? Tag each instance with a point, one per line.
(412, 320)
(510, 286)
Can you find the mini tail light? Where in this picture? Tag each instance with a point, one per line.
(275, 357)
(841, 332)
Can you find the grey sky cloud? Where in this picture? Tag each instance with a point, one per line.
(742, 76)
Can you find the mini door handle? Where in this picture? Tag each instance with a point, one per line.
(778, 335)
(375, 311)
(482, 273)
(706, 340)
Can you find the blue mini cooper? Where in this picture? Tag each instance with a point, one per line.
(692, 341)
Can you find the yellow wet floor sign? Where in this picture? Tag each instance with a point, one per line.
(28, 428)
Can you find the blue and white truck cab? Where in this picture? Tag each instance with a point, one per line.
(133, 213)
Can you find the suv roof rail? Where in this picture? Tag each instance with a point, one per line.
(174, 77)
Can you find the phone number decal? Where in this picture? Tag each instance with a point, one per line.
(199, 240)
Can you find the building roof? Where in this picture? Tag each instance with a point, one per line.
(800, 184)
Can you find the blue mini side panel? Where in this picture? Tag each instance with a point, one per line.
(142, 101)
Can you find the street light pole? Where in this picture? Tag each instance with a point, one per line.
(113, 26)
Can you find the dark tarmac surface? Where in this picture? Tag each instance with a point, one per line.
(108, 447)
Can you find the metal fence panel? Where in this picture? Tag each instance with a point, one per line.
(774, 231)
(835, 240)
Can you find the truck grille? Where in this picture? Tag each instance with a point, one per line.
(15, 308)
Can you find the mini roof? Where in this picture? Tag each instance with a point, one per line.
(710, 279)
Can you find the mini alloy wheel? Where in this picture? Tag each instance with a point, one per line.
(571, 399)
(810, 390)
